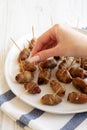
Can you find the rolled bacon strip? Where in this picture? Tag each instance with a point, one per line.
(63, 76)
(48, 64)
(78, 98)
(24, 54)
(78, 72)
(57, 88)
(44, 76)
(27, 66)
(80, 84)
(84, 63)
(24, 77)
(51, 99)
(32, 87)
(66, 63)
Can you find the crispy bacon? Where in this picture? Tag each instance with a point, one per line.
(51, 99)
(27, 66)
(84, 63)
(78, 72)
(24, 77)
(78, 98)
(66, 63)
(57, 88)
(32, 87)
(63, 76)
(80, 84)
(44, 76)
(24, 54)
(51, 63)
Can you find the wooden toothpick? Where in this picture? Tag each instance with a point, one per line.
(15, 44)
(77, 23)
(51, 18)
(73, 61)
(33, 31)
(57, 91)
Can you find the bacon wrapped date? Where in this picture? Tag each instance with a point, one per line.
(84, 63)
(27, 66)
(57, 88)
(51, 63)
(51, 99)
(80, 84)
(63, 76)
(78, 60)
(24, 54)
(44, 76)
(66, 63)
(32, 43)
(24, 77)
(32, 87)
(78, 98)
(78, 72)
(63, 65)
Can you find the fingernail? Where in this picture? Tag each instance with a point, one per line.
(34, 59)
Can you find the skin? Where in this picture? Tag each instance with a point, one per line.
(59, 40)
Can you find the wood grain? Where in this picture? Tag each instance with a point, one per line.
(7, 124)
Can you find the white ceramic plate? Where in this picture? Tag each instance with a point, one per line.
(11, 69)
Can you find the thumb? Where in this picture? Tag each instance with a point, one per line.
(43, 55)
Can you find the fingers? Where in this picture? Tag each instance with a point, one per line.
(43, 55)
(46, 45)
(49, 45)
(43, 40)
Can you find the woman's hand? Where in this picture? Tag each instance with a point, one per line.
(60, 40)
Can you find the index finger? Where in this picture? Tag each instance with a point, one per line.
(44, 39)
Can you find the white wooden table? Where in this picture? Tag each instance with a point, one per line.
(7, 124)
(17, 18)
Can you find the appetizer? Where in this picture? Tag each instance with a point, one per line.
(63, 76)
(32, 87)
(24, 77)
(80, 84)
(51, 99)
(57, 88)
(78, 98)
(44, 76)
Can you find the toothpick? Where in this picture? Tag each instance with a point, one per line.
(51, 18)
(57, 91)
(77, 23)
(15, 44)
(33, 31)
(22, 93)
(71, 64)
(28, 41)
